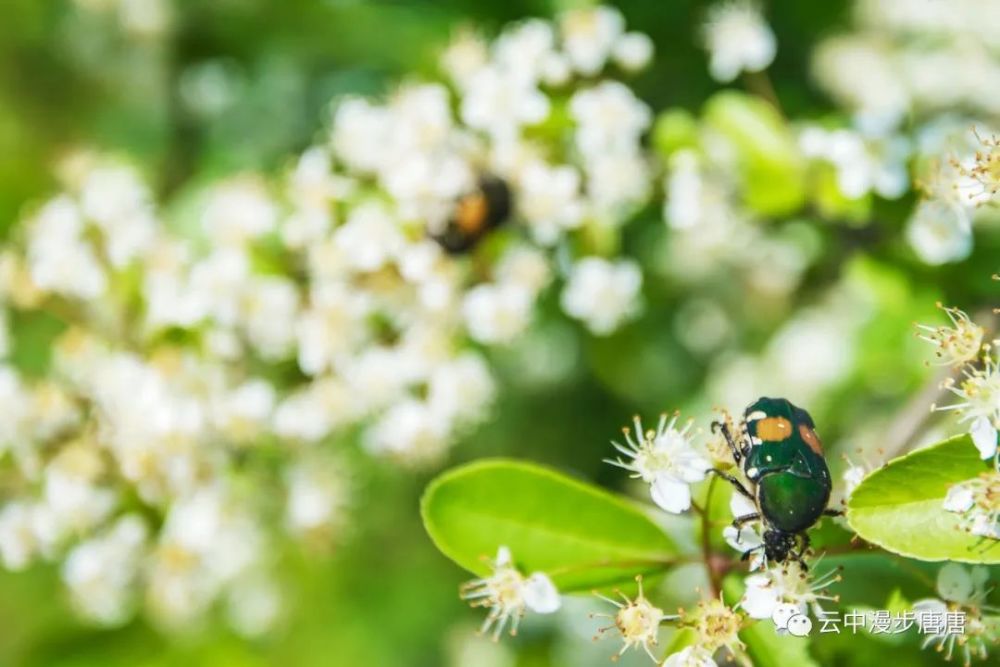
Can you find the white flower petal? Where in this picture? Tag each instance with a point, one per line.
(760, 598)
(540, 594)
(958, 499)
(743, 538)
(984, 526)
(954, 583)
(740, 505)
(692, 656)
(984, 436)
(670, 494)
(503, 556)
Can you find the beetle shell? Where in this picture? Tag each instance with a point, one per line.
(475, 214)
(786, 463)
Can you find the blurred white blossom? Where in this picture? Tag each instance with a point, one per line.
(738, 39)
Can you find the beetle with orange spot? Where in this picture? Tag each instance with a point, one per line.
(787, 477)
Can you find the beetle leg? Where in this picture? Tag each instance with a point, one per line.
(800, 554)
(833, 512)
(737, 484)
(717, 426)
(746, 518)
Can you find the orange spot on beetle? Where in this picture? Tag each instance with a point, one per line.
(774, 429)
(470, 214)
(811, 439)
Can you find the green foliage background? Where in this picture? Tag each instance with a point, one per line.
(385, 596)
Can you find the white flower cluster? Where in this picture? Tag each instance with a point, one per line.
(738, 40)
(912, 55)
(264, 322)
(962, 346)
(665, 459)
(933, 64)
(962, 590)
(508, 594)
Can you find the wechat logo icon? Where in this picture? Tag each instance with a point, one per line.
(789, 620)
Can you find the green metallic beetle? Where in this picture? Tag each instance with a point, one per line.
(782, 459)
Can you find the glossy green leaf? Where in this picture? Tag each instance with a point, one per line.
(771, 166)
(579, 534)
(899, 507)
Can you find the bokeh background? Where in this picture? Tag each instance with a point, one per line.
(193, 91)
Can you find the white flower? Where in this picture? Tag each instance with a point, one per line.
(317, 496)
(981, 172)
(980, 403)
(370, 238)
(665, 459)
(116, 200)
(245, 411)
(984, 435)
(852, 477)
(500, 102)
(747, 538)
(939, 231)
(19, 542)
(378, 375)
(526, 48)
(526, 267)
(409, 431)
(60, 258)
(976, 500)
(238, 210)
(217, 283)
(633, 51)
(788, 584)
(307, 414)
(962, 590)
(983, 525)
(637, 621)
(550, 200)
(861, 72)
(330, 329)
(269, 305)
(497, 313)
(508, 594)
(73, 497)
(617, 183)
(360, 133)
(206, 545)
(601, 293)
(590, 36)
(253, 606)
(466, 54)
(610, 119)
(461, 389)
(686, 192)
(102, 572)
(864, 164)
(738, 39)
(958, 344)
(692, 656)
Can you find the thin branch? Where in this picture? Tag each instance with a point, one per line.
(706, 545)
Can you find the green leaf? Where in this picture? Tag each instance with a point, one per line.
(770, 162)
(899, 507)
(580, 535)
(674, 129)
(769, 649)
(872, 577)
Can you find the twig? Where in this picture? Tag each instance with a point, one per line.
(706, 545)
